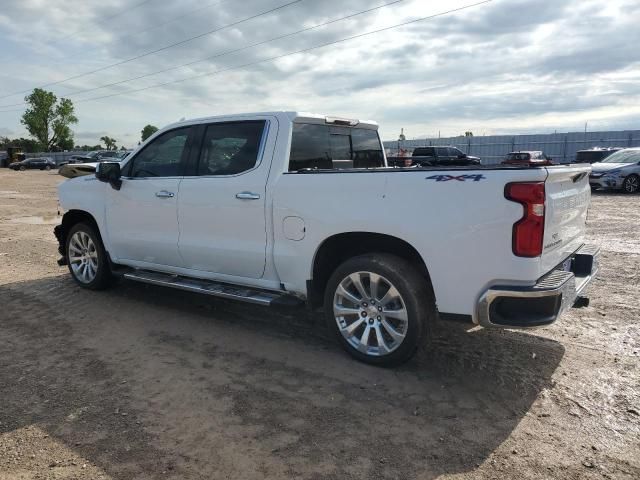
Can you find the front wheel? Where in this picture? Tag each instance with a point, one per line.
(48, 167)
(631, 184)
(379, 307)
(87, 258)
(22, 168)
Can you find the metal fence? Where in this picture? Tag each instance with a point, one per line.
(562, 147)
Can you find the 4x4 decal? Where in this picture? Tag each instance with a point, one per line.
(459, 178)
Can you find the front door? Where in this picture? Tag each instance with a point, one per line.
(142, 221)
(221, 208)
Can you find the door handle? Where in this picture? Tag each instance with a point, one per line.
(247, 196)
(165, 194)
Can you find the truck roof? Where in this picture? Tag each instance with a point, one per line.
(291, 116)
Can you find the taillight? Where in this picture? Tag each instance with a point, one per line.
(528, 232)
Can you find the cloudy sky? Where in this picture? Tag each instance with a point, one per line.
(507, 66)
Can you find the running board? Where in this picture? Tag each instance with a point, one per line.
(207, 287)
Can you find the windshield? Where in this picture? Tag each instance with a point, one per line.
(623, 156)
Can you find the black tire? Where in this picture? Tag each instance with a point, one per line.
(48, 167)
(631, 184)
(103, 277)
(415, 292)
(22, 168)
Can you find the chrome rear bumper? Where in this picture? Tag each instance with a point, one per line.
(542, 303)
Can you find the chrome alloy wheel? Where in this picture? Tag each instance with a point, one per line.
(370, 313)
(83, 257)
(632, 184)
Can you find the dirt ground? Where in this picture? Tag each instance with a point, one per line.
(144, 382)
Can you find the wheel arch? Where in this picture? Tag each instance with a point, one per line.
(69, 219)
(340, 247)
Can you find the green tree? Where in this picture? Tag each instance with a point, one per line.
(109, 143)
(468, 134)
(148, 131)
(48, 120)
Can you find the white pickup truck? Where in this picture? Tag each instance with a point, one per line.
(285, 208)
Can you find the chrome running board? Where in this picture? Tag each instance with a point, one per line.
(216, 289)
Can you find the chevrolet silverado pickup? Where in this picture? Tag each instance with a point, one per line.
(290, 208)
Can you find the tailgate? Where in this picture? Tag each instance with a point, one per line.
(567, 200)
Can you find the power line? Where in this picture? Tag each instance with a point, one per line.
(270, 59)
(222, 54)
(166, 47)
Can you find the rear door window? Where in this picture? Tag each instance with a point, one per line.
(230, 148)
(315, 146)
(443, 153)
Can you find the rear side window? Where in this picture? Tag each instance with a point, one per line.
(442, 151)
(328, 147)
(230, 148)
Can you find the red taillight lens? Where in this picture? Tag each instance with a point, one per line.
(528, 232)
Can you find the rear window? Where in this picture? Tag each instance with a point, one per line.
(518, 157)
(330, 147)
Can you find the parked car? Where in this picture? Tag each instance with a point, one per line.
(619, 171)
(527, 158)
(596, 154)
(435, 156)
(42, 163)
(285, 208)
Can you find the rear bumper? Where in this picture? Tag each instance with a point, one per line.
(542, 303)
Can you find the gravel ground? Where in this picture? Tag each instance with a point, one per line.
(143, 382)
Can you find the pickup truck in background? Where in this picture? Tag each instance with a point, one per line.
(435, 157)
(288, 208)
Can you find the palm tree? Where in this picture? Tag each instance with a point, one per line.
(109, 143)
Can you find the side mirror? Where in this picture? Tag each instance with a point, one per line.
(109, 172)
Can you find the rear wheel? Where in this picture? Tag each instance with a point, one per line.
(631, 184)
(87, 258)
(379, 307)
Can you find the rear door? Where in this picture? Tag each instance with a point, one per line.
(568, 195)
(443, 155)
(222, 201)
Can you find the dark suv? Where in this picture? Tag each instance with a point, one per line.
(434, 157)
